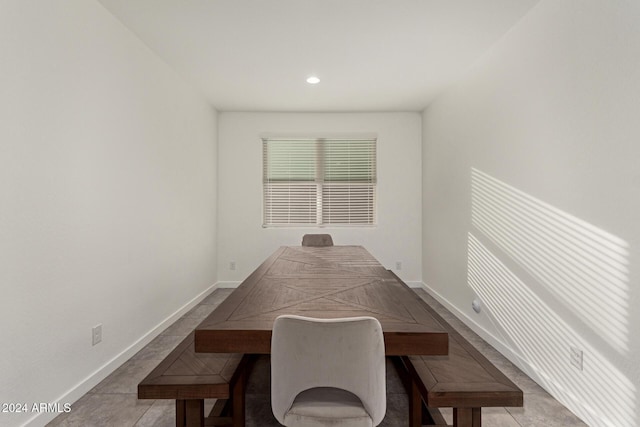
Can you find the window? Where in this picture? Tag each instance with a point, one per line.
(319, 182)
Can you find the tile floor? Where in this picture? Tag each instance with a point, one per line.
(114, 401)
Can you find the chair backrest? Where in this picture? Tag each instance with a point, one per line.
(345, 353)
(317, 240)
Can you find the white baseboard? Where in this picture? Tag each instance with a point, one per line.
(228, 285)
(497, 343)
(105, 370)
(548, 384)
(415, 284)
(505, 349)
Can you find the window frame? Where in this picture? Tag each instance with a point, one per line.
(368, 186)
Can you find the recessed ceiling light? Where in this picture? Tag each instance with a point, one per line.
(313, 80)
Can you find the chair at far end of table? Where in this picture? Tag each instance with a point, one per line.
(317, 240)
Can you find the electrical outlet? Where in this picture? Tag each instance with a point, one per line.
(398, 265)
(96, 334)
(476, 304)
(576, 357)
(232, 265)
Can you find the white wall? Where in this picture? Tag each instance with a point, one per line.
(108, 190)
(241, 236)
(531, 201)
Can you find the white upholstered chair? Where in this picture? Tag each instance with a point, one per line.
(328, 372)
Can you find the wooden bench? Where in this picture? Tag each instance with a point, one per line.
(463, 380)
(190, 377)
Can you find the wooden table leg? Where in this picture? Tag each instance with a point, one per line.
(238, 400)
(238, 391)
(415, 406)
(180, 413)
(467, 417)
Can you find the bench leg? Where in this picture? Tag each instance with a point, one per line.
(467, 417)
(190, 413)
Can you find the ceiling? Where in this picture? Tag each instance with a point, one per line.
(371, 55)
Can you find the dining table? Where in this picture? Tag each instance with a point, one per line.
(321, 282)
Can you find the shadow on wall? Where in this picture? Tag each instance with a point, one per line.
(583, 267)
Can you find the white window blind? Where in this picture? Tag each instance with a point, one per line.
(319, 181)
